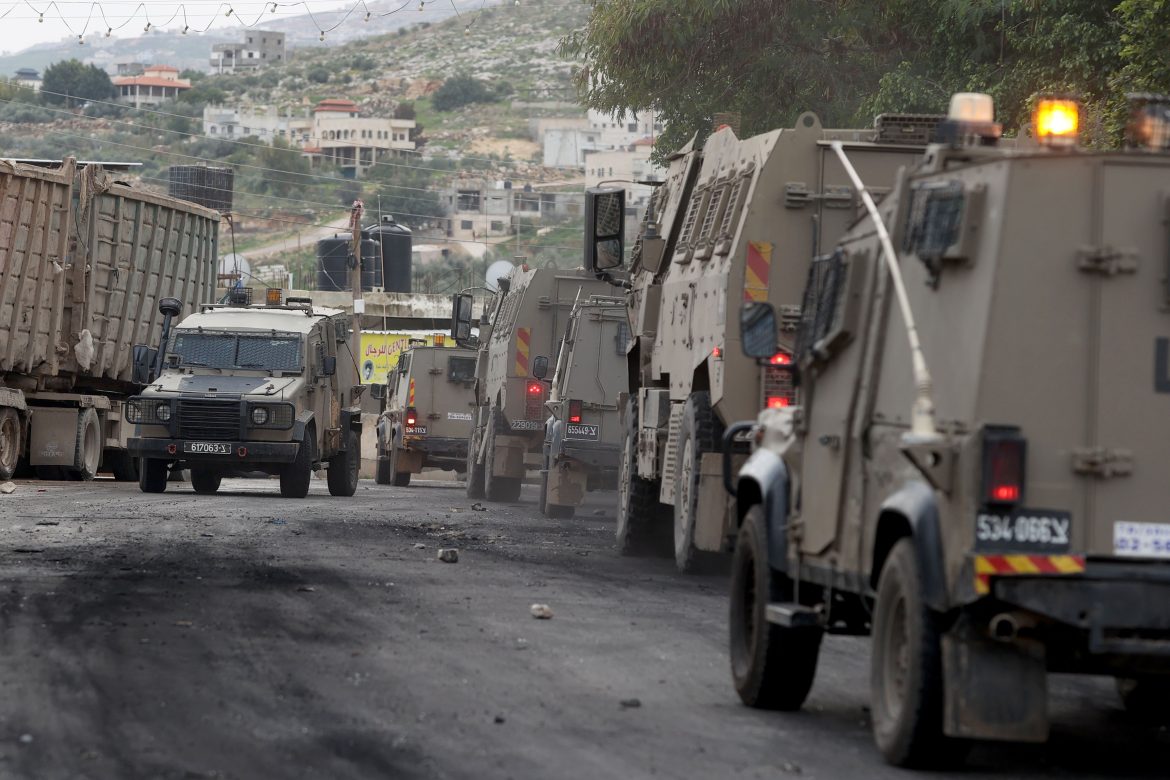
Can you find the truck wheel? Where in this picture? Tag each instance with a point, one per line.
(382, 473)
(10, 430)
(342, 474)
(772, 666)
(501, 489)
(1145, 697)
(205, 481)
(906, 679)
(700, 433)
(641, 523)
(295, 476)
(124, 466)
(475, 471)
(401, 478)
(555, 511)
(152, 475)
(88, 446)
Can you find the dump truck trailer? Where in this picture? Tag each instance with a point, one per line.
(84, 261)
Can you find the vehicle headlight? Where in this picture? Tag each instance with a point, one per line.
(134, 412)
(163, 412)
(259, 415)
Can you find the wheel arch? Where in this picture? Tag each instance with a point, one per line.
(912, 511)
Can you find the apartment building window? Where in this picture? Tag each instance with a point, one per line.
(632, 127)
(497, 226)
(464, 224)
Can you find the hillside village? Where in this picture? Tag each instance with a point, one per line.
(466, 130)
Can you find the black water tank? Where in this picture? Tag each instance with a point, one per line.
(202, 184)
(394, 241)
(333, 263)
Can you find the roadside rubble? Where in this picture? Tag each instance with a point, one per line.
(448, 555)
(7, 487)
(541, 611)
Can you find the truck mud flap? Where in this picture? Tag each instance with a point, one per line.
(994, 690)
(53, 438)
(711, 519)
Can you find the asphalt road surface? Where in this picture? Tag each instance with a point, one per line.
(248, 636)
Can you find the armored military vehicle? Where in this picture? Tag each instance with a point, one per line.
(974, 472)
(428, 413)
(270, 388)
(583, 435)
(736, 220)
(528, 316)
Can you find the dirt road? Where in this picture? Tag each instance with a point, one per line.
(248, 636)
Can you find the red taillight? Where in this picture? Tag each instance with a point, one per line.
(411, 416)
(574, 411)
(1004, 455)
(535, 388)
(777, 402)
(716, 353)
(780, 359)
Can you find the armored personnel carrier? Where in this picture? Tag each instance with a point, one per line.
(974, 471)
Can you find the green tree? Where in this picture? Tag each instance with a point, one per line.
(318, 74)
(286, 168)
(71, 83)
(461, 90)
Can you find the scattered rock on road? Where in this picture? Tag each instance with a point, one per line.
(541, 611)
(631, 704)
(449, 555)
(478, 507)
(7, 487)
(419, 546)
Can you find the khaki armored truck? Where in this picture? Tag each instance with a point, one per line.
(975, 472)
(427, 419)
(522, 331)
(736, 220)
(84, 263)
(583, 435)
(270, 388)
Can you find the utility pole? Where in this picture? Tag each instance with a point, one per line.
(355, 280)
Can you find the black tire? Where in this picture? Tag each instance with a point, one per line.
(295, 477)
(642, 527)
(123, 466)
(50, 473)
(152, 475)
(501, 489)
(400, 478)
(906, 679)
(88, 446)
(700, 433)
(342, 474)
(554, 511)
(475, 471)
(1145, 697)
(205, 481)
(772, 666)
(10, 441)
(382, 472)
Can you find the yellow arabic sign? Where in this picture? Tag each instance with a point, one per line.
(380, 351)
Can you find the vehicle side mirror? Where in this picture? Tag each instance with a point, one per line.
(328, 365)
(540, 367)
(143, 358)
(461, 317)
(378, 392)
(757, 330)
(170, 307)
(605, 221)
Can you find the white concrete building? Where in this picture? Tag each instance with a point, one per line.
(568, 146)
(157, 84)
(259, 48)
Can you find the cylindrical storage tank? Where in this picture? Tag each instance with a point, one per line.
(202, 184)
(395, 245)
(333, 263)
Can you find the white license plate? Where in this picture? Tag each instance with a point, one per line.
(207, 448)
(1141, 540)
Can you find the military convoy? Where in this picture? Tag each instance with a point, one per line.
(735, 220)
(972, 472)
(428, 413)
(583, 434)
(516, 339)
(84, 262)
(270, 387)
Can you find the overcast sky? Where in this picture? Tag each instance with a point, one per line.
(20, 28)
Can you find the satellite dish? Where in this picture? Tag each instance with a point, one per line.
(235, 263)
(501, 269)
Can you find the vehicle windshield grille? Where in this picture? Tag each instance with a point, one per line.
(209, 420)
(234, 350)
